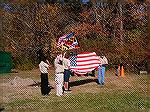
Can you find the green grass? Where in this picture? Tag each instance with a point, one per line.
(133, 98)
(120, 101)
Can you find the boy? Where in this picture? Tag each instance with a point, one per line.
(66, 64)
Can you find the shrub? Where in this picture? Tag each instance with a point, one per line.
(23, 63)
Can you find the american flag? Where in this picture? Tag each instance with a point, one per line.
(84, 62)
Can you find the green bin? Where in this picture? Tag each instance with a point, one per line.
(5, 62)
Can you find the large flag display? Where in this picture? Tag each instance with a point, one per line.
(84, 62)
(68, 42)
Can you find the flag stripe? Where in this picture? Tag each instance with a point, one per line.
(87, 57)
(85, 62)
(86, 67)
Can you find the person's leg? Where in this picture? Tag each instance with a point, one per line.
(103, 76)
(99, 75)
(93, 73)
(65, 76)
(43, 84)
(47, 88)
(59, 84)
(66, 79)
(66, 86)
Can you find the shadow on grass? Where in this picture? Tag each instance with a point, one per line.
(82, 82)
(39, 85)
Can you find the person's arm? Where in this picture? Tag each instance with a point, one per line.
(47, 62)
(101, 62)
(46, 65)
(106, 61)
(55, 62)
(68, 63)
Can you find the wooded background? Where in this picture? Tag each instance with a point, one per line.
(117, 28)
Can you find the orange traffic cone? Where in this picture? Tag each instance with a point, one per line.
(122, 72)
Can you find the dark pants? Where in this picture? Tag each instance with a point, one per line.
(66, 79)
(45, 89)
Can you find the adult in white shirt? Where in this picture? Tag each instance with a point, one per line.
(44, 77)
(59, 75)
(101, 70)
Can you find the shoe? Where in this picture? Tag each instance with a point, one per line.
(67, 91)
(98, 83)
(102, 84)
(45, 94)
(59, 95)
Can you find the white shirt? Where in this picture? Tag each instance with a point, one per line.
(43, 67)
(104, 60)
(58, 67)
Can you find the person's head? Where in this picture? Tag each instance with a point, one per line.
(43, 59)
(67, 55)
(121, 64)
(59, 59)
(102, 55)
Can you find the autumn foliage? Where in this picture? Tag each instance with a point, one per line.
(117, 30)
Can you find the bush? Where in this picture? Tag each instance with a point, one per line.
(23, 63)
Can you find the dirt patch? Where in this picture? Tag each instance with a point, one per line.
(17, 81)
(25, 88)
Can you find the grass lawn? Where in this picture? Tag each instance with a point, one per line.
(128, 94)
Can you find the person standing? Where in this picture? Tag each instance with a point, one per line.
(101, 70)
(59, 75)
(67, 73)
(117, 70)
(45, 89)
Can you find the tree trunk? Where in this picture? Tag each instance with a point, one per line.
(121, 23)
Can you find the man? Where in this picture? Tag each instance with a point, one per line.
(59, 75)
(44, 77)
(101, 70)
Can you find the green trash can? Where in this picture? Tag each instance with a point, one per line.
(5, 62)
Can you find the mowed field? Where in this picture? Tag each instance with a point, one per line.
(119, 94)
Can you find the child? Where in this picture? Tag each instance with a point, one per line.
(67, 73)
(44, 77)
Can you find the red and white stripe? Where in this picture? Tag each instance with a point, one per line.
(86, 62)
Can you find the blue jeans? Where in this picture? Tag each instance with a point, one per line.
(101, 75)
